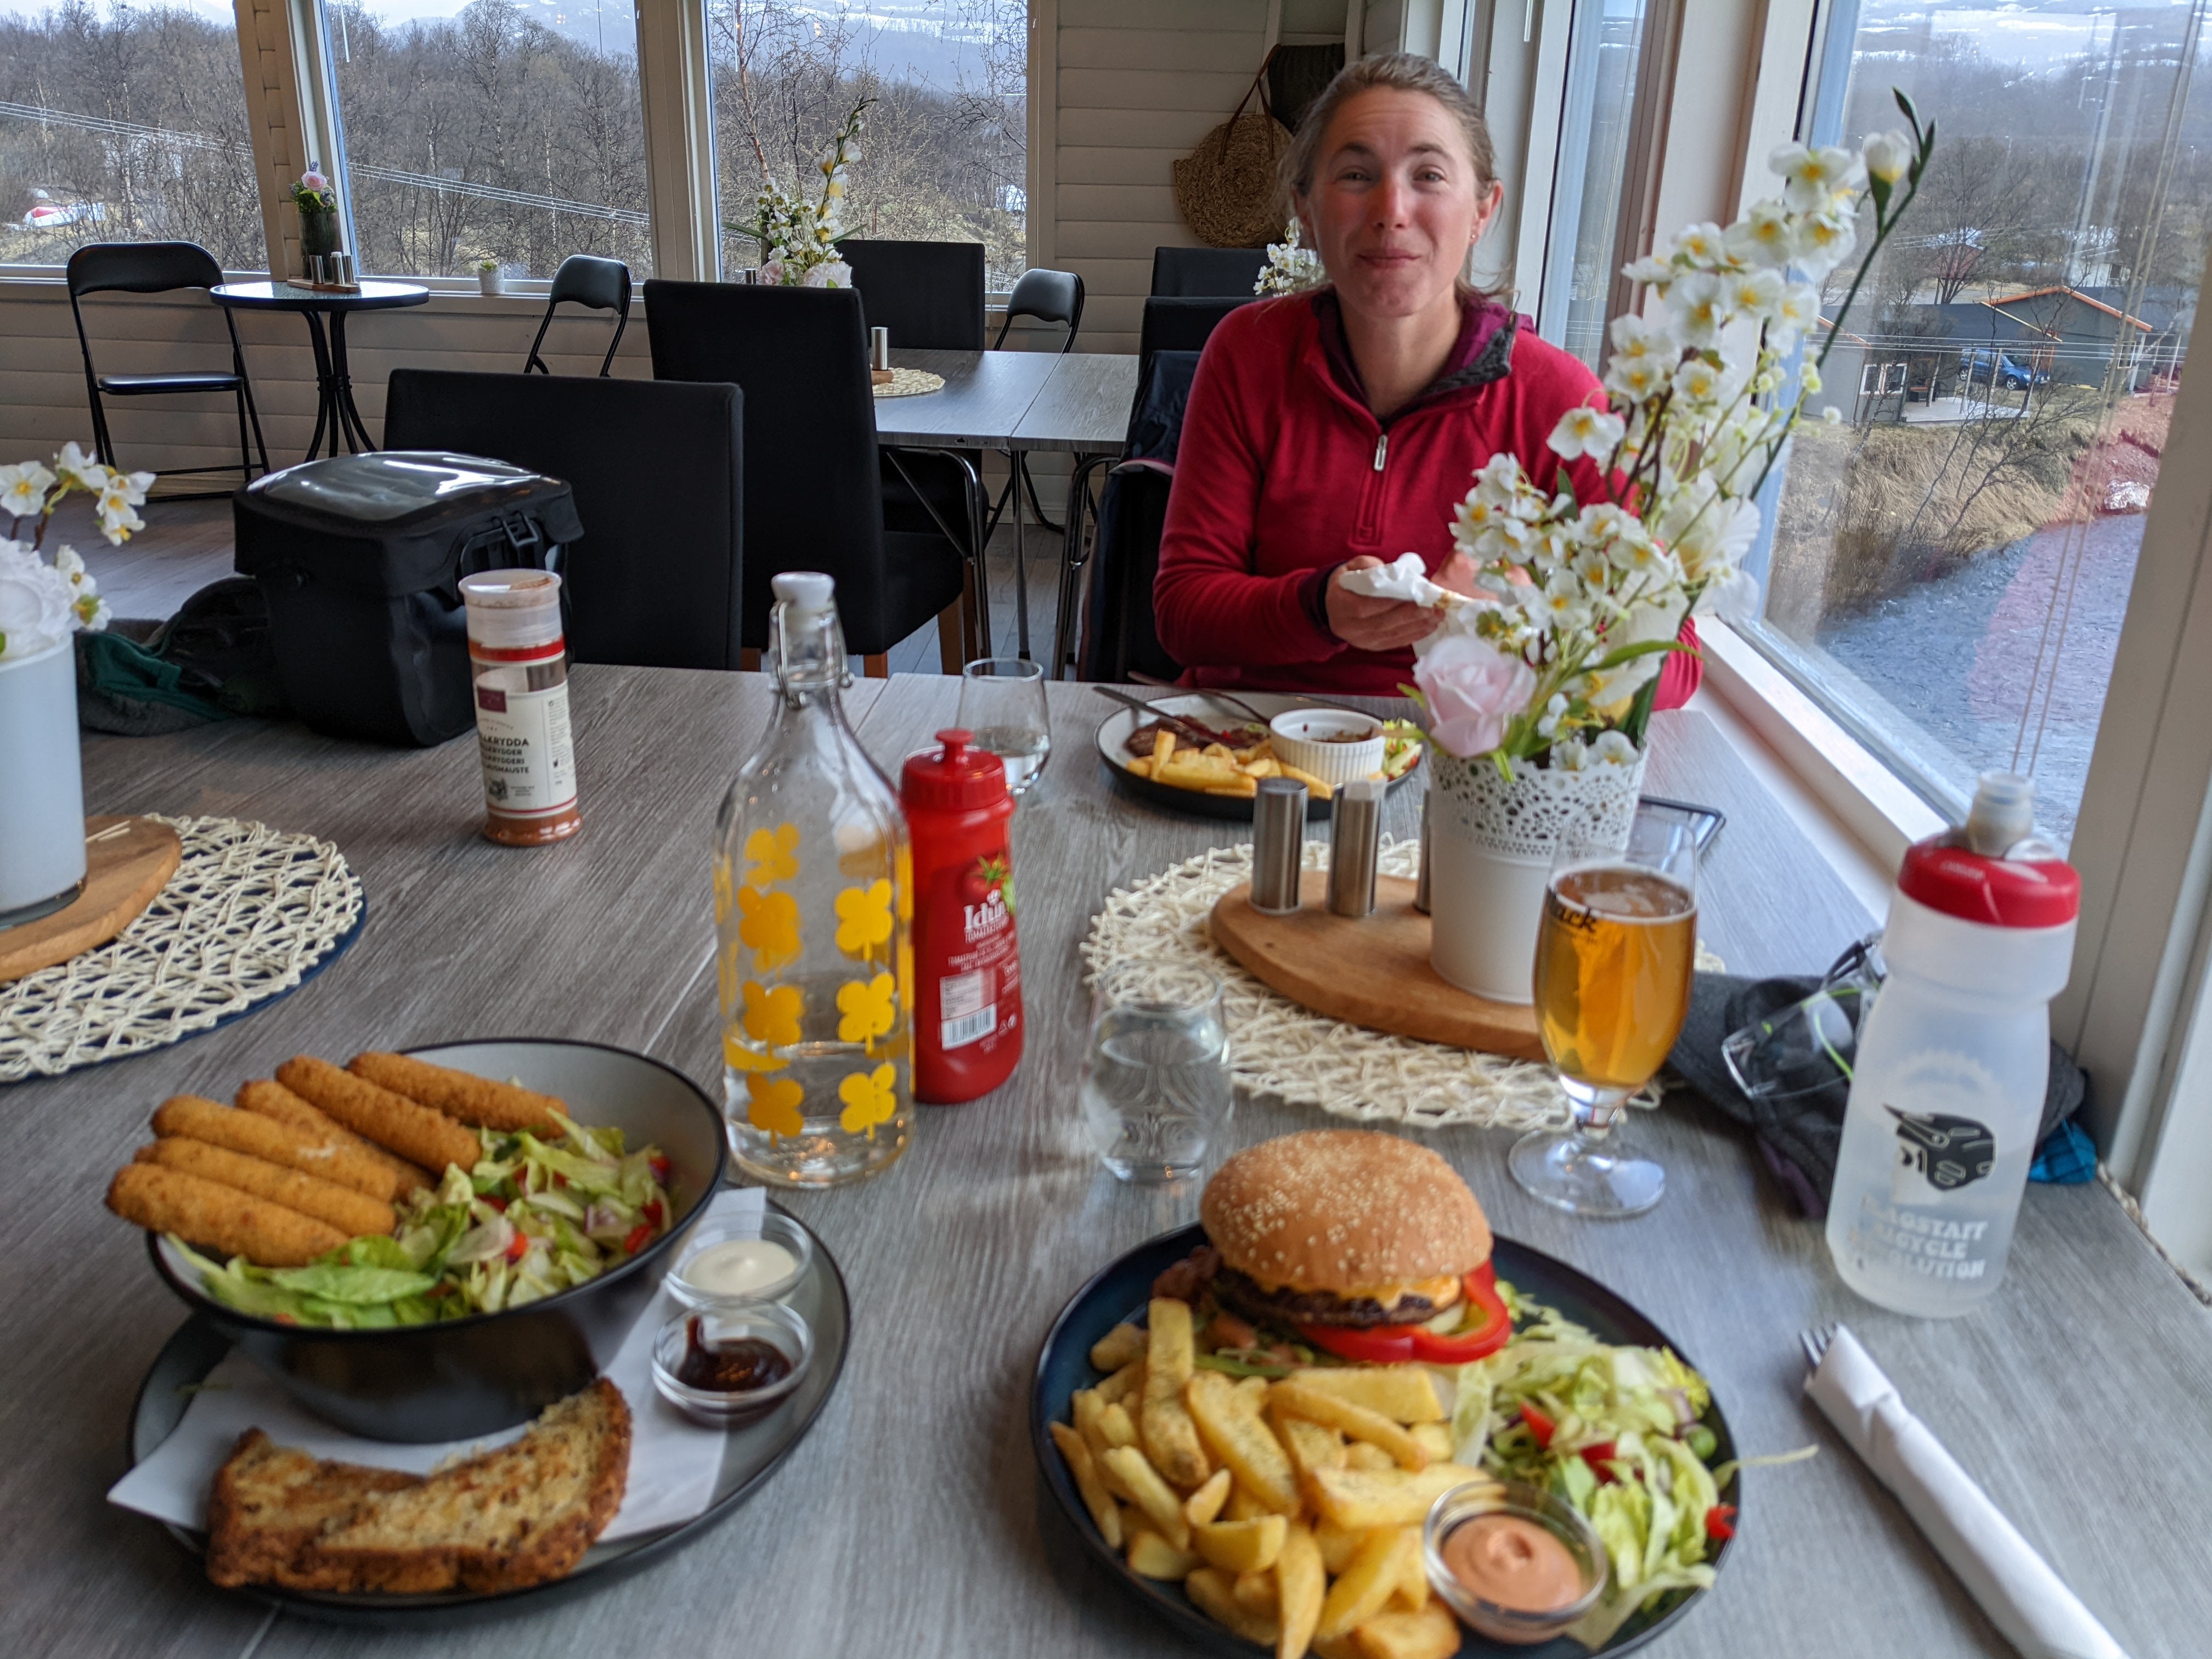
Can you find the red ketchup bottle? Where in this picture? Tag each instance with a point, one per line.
(967, 976)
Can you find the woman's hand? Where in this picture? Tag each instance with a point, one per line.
(1372, 624)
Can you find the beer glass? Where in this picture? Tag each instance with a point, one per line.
(1614, 954)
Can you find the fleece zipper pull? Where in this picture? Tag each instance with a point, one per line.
(1381, 448)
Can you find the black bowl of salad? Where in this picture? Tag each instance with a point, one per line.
(449, 1331)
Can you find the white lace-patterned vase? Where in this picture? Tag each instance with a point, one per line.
(42, 860)
(1490, 849)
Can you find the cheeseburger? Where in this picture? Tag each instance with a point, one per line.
(1349, 1235)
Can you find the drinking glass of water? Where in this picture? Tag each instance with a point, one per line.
(1156, 1089)
(1002, 702)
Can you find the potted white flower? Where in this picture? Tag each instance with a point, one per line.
(798, 238)
(42, 860)
(489, 278)
(1539, 691)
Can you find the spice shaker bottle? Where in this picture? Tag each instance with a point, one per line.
(813, 904)
(1953, 1060)
(519, 663)
(968, 971)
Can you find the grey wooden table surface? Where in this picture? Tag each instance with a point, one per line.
(911, 1519)
(1084, 407)
(985, 395)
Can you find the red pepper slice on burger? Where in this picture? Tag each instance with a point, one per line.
(1390, 1345)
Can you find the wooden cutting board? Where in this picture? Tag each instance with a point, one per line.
(1373, 972)
(128, 861)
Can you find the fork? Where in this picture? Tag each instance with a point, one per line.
(1815, 1342)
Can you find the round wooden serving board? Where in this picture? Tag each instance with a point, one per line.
(1373, 972)
(128, 861)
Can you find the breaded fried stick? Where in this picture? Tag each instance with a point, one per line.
(351, 1213)
(420, 1134)
(463, 1095)
(219, 1218)
(279, 1143)
(275, 1100)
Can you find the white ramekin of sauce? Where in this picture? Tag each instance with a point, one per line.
(1515, 1564)
(761, 1257)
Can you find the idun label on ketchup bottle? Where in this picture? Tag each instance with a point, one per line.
(968, 971)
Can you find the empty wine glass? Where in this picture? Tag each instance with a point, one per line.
(1002, 702)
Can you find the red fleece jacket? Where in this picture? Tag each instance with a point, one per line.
(1283, 472)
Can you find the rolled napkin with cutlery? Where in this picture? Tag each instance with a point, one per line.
(2027, 1602)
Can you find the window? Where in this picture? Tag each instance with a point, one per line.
(945, 156)
(1950, 562)
(1605, 54)
(125, 125)
(505, 132)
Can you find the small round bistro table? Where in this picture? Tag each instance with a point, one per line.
(334, 405)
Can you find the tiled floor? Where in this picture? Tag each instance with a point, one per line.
(187, 544)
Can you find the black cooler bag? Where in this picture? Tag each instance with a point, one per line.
(361, 557)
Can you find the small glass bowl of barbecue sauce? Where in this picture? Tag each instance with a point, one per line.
(730, 1365)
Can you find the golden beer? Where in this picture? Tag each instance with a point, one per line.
(1614, 962)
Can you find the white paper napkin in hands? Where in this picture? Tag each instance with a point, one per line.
(1408, 579)
(673, 1462)
(2024, 1598)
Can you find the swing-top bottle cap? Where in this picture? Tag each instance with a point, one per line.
(804, 590)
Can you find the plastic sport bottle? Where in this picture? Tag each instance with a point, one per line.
(968, 972)
(1953, 1060)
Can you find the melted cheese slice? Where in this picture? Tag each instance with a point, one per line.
(1439, 1293)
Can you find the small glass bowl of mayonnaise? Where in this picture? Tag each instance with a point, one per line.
(761, 1257)
(1517, 1564)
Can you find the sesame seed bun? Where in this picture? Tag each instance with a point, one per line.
(1343, 1210)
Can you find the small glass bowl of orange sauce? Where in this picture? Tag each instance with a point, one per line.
(1517, 1564)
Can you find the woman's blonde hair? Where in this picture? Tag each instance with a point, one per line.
(1388, 71)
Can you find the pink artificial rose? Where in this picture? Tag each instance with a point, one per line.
(314, 181)
(1473, 690)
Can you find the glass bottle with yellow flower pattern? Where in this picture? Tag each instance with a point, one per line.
(813, 909)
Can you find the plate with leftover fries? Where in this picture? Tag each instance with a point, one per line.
(1207, 756)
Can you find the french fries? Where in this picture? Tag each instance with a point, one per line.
(1170, 1438)
(1291, 1514)
(1216, 768)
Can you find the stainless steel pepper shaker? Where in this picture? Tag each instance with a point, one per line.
(1278, 843)
(879, 350)
(1355, 846)
(1421, 881)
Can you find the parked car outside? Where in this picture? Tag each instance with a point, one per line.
(1987, 366)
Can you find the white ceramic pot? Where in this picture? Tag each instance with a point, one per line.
(491, 282)
(41, 786)
(1489, 852)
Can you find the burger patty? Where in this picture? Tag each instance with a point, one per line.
(1291, 1307)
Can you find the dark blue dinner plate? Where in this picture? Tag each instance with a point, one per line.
(1120, 1293)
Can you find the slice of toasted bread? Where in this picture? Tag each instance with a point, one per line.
(515, 1516)
(269, 1501)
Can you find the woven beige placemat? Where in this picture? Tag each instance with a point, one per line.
(1277, 1046)
(910, 383)
(250, 912)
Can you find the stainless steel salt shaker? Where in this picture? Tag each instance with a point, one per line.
(1421, 882)
(1278, 843)
(879, 349)
(1355, 846)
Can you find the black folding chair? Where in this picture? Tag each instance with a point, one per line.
(1049, 296)
(1191, 272)
(602, 284)
(158, 267)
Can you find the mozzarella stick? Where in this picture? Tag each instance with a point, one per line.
(218, 1218)
(418, 1134)
(463, 1095)
(351, 1213)
(275, 1100)
(278, 1143)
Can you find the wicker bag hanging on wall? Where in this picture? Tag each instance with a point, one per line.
(1225, 188)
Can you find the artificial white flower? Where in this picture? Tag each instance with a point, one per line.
(1753, 294)
(1700, 313)
(34, 602)
(1713, 545)
(1812, 178)
(1796, 309)
(79, 470)
(1824, 240)
(23, 490)
(1650, 268)
(1632, 380)
(1832, 415)
(1569, 754)
(1563, 604)
(1702, 247)
(1809, 378)
(1766, 235)
(1635, 336)
(835, 274)
(1889, 155)
(1612, 749)
(1697, 382)
(1583, 430)
(1547, 723)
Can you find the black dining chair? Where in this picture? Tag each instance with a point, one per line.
(657, 581)
(928, 294)
(800, 355)
(584, 280)
(1192, 272)
(158, 267)
(1048, 296)
(1119, 634)
(1180, 324)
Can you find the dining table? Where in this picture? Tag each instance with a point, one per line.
(912, 1518)
(1018, 404)
(335, 412)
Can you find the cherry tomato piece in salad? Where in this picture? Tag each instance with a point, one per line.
(1720, 1523)
(640, 1237)
(1541, 1427)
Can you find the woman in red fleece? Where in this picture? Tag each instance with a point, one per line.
(1336, 429)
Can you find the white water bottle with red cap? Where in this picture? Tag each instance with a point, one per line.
(1953, 1060)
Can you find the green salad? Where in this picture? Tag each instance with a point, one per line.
(533, 1216)
(1616, 1432)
